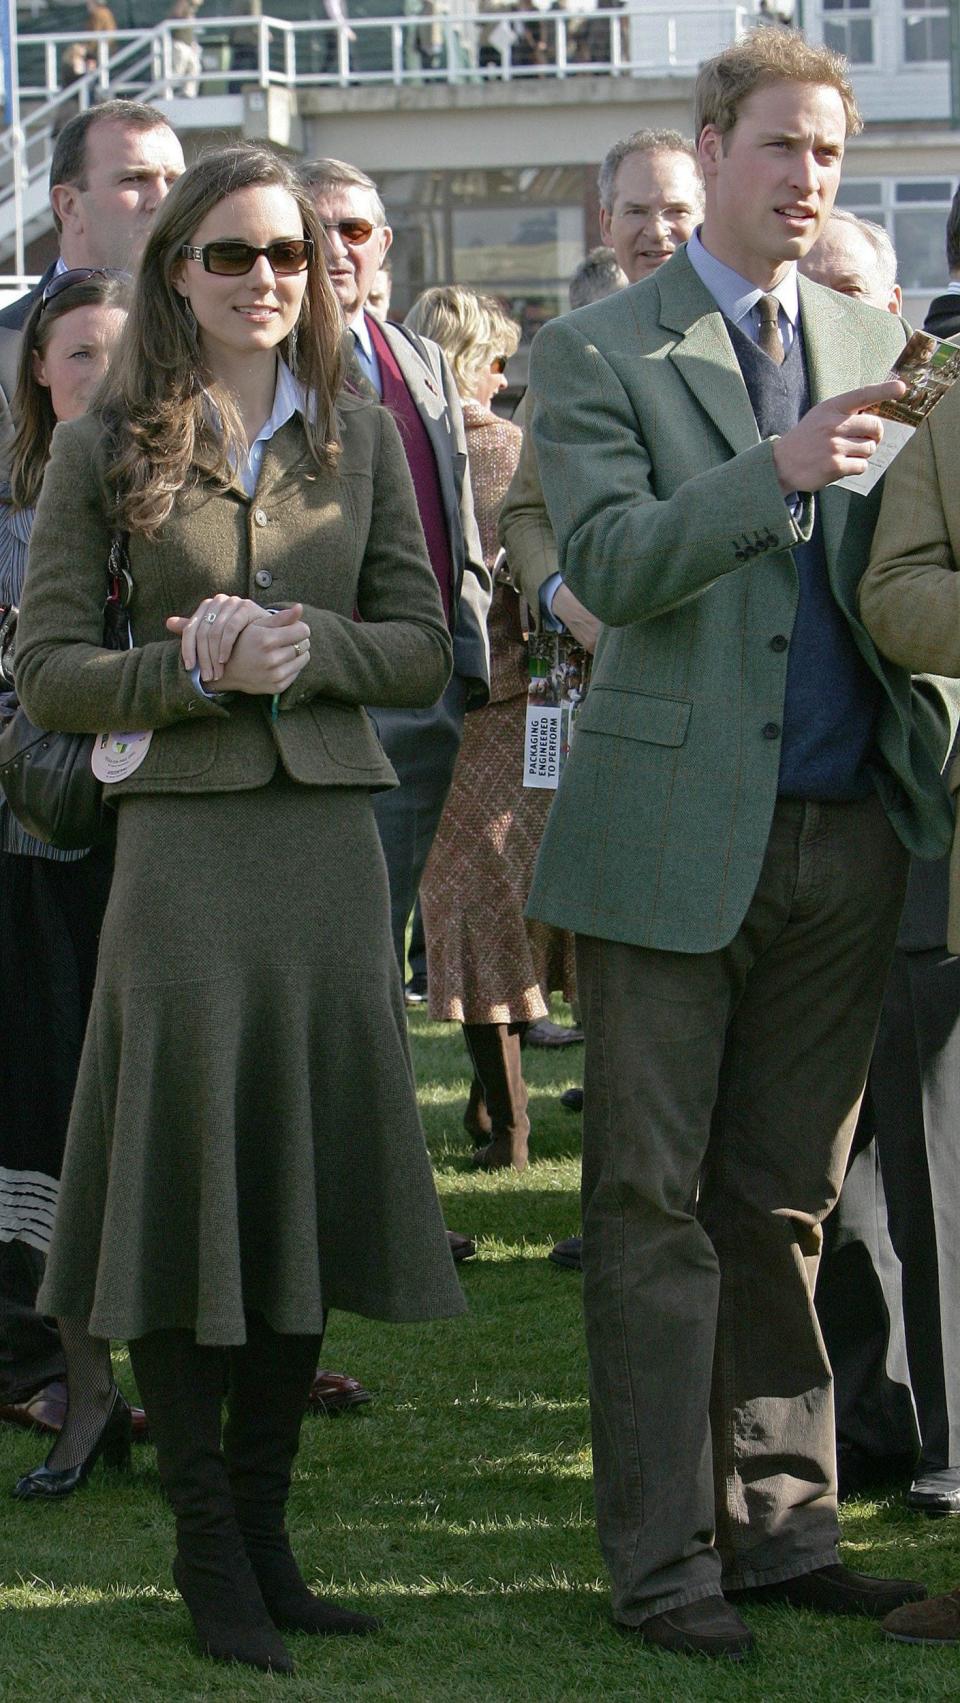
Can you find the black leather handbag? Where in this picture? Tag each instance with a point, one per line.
(46, 777)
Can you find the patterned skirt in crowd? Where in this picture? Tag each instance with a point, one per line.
(485, 963)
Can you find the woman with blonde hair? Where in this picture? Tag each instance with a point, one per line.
(243, 1152)
(488, 969)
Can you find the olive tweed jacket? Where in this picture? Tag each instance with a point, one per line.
(344, 543)
(672, 529)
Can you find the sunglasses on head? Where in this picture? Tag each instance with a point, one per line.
(356, 231)
(231, 259)
(77, 275)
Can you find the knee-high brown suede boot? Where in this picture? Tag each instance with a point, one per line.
(184, 1387)
(270, 1378)
(495, 1051)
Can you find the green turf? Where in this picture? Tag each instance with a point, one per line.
(458, 1505)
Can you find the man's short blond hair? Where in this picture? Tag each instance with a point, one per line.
(767, 56)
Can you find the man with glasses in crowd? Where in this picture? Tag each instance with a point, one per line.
(412, 378)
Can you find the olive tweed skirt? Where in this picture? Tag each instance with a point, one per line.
(245, 1134)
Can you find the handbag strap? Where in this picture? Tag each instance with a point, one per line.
(117, 631)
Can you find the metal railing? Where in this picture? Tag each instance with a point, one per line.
(455, 46)
(231, 54)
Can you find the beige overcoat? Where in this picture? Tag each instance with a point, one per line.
(910, 594)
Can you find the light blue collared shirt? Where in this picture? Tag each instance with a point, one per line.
(289, 398)
(366, 353)
(737, 297)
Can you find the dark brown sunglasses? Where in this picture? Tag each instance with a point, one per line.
(355, 231)
(230, 258)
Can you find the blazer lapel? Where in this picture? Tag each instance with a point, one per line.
(432, 407)
(704, 356)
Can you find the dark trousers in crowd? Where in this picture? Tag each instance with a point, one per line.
(422, 745)
(860, 1308)
(914, 1115)
(744, 1085)
(30, 1351)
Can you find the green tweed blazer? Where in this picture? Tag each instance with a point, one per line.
(671, 527)
(339, 542)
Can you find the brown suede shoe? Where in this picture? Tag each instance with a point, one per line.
(47, 1409)
(936, 1621)
(709, 1627)
(836, 1590)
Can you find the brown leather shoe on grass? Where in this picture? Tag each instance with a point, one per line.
(936, 1621)
(709, 1627)
(836, 1590)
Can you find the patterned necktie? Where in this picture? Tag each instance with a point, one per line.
(770, 340)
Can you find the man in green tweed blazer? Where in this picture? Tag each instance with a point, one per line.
(730, 843)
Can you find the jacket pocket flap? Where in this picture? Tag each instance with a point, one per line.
(635, 715)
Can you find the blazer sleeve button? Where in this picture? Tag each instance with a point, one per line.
(772, 730)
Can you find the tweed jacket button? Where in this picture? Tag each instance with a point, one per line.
(259, 517)
(778, 642)
(263, 577)
(772, 730)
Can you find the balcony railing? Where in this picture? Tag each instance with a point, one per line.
(229, 55)
(457, 46)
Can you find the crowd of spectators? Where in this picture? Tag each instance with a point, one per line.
(339, 561)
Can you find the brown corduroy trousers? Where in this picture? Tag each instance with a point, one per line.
(721, 1093)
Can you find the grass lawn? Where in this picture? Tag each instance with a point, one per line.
(458, 1505)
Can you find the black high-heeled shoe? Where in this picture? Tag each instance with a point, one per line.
(112, 1446)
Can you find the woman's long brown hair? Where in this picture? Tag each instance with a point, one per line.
(155, 403)
(32, 407)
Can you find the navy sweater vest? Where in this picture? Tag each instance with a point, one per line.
(832, 699)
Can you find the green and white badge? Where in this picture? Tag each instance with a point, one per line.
(117, 755)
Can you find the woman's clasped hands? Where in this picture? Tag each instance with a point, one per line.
(241, 647)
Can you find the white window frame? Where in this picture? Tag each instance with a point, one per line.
(926, 12)
(849, 15)
(883, 212)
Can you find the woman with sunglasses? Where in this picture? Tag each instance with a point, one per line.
(246, 1147)
(486, 968)
(51, 908)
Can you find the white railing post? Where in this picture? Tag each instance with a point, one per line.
(343, 55)
(450, 49)
(263, 53)
(51, 68)
(671, 41)
(290, 56)
(560, 24)
(616, 44)
(396, 52)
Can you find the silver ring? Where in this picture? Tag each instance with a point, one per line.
(300, 646)
(211, 617)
